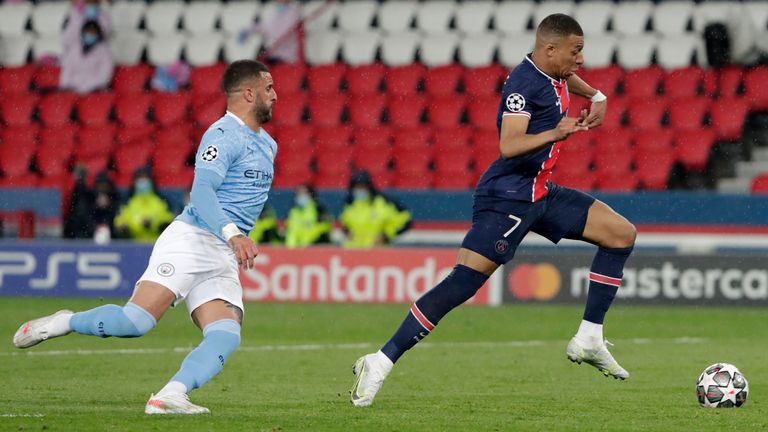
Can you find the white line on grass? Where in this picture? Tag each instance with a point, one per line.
(21, 415)
(330, 346)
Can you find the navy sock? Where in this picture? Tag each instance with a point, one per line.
(459, 286)
(604, 280)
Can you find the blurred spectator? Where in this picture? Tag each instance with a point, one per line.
(281, 33)
(79, 223)
(368, 218)
(171, 77)
(308, 222)
(104, 208)
(266, 229)
(86, 58)
(145, 214)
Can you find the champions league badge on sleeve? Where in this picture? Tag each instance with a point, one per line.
(515, 102)
(210, 153)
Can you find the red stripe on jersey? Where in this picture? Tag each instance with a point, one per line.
(542, 177)
(596, 277)
(421, 318)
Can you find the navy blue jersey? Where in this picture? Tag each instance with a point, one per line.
(544, 100)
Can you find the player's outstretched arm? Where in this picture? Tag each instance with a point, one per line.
(515, 141)
(579, 87)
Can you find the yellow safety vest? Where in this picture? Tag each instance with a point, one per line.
(368, 221)
(141, 207)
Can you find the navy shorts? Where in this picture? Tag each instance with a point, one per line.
(499, 225)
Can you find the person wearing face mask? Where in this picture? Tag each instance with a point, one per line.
(308, 221)
(145, 214)
(266, 229)
(86, 60)
(369, 219)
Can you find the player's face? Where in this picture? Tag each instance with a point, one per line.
(265, 98)
(567, 55)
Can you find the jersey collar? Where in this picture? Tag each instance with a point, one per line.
(242, 123)
(528, 57)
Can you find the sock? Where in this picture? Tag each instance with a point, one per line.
(220, 339)
(590, 332)
(172, 387)
(130, 320)
(459, 286)
(604, 280)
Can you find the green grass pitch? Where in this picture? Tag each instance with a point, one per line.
(483, 369)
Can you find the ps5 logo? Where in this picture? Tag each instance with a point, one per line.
(93, 270)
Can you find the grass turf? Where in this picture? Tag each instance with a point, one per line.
(482, 369)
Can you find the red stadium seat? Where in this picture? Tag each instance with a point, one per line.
(484, 81)
(683, 83)
(55, 151)
(293, 169)
(372, 140)
(129, 135)
(18, 110)
(760, 184)
(615, 116)
(178, 137)
(453, 140)
(332, 170)
(692, 148)
(582, 181)
(688, 113)
(23, 138)
(654, 167)
(292, 139)
(326, 79)
(453, 180)
(450, 164)
(612, 163)
(182, 179)
(413, 181)
(367, 111)
(205, 114)
(406, 111)
(94, 109)
(576, 154)
(171, 108)
(95, 141)
(289, 109)
(289, 78)
(131, 79)
(412, 140)
(333, 139)
(327, 110)
(728, 116)
(482, 111)
(412, 163)
(443, 81)
(643, 83)
(485, 149)
(46, 77)
(166, 159)
(654, 140)
(405, 80)
(647, 113)
(619, 182)
(613, 140)
(709, 82)
(25, 180)
(446, 111)
(129, 158)
(55, 109)
(133, 110)
(206, 80)
(606, 79)
(16, 80)
(756, 87)
(365, 79)
(15, 157)
(377, 164)
(729, 81)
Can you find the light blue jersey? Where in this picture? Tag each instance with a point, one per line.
(244, 160)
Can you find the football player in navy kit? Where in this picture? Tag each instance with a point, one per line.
(515, 196)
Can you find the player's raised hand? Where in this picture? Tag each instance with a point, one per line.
(245, 250)
(568, 126)
(596, 114)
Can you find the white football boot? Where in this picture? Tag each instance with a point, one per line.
(597, 355)
(173, 403)
(33, 332)
(371, 370)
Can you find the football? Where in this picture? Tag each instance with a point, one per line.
(722, 385)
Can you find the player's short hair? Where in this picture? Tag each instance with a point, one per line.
(558, 25)
(240, 71)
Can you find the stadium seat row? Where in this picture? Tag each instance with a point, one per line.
(674, 17)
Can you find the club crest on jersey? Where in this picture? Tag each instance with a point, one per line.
(515, 102)
(165, 269)
(210, 153)
(501, 246)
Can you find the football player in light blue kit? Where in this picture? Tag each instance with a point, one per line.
(197, 258)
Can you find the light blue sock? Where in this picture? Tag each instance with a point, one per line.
(130, 320)
(220, 339)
